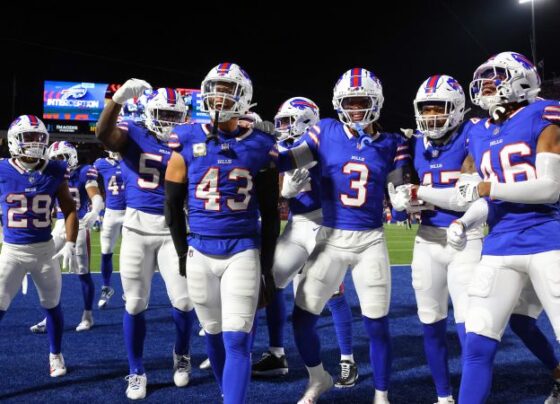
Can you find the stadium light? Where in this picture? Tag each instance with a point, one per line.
(534, 36)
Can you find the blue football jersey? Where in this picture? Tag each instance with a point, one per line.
(353, 174)
(110, 172)
(28, 199)
(506, 153)
(309, 199)
(77, 181)
(222, 200)
(143, 165)
(439, 166)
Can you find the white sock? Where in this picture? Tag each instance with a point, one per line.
(347, 358)
(381, 394)
(277, 351)
(316, 372)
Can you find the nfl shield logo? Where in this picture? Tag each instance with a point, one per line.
(31, 180)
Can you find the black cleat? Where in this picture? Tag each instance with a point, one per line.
(270, 366)
(348, 375)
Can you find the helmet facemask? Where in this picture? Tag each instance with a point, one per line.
(161, 121)
(357, 111)
(435, 118)
(223, 96)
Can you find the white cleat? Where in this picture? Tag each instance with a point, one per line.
(182, 368)
(106, 293)
(86, 323)
(39, 328)
(315, 389)
(56, 362)
(445, 400)
(205, 365)
(136, 389)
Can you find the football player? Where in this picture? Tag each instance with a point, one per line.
(355, 158)
(226, 174)
(516, 152)
(83, 186)
(110, 171)
(30, 184)
(301, 188)
(146, 242)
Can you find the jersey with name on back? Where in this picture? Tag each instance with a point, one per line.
(143, 165)
(28, 198)
(353, 173)
(222, 201)
(110, 172)
(439, 166)
(506, 153)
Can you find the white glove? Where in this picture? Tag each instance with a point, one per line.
(294, 183)
(456, 235)
(400, 197)
(89, 220)
(69, 259)
(131, 89)
(408, 133)
(467, 192)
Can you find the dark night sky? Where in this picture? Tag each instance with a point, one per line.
(287, 48)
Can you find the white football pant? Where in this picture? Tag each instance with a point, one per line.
(365, 253)
(16, 260)
(111, 230)
(224, 289)
(500, 281)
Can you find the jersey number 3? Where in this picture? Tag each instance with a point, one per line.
(358, 184)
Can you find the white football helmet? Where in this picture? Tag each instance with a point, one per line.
(358, 83)
(444, 91)
(295, 116)
(226, 89)
(64, 150)
(28, 137)
(511, 78)
(165, 108)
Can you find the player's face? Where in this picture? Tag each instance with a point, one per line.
(492, 78)
(356, 107)
(435, 109)
(283, 123)
(165, 115)
(33, 137)
(221, 102)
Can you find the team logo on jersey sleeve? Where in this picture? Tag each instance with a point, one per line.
(199, 149)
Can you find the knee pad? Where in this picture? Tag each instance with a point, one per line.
(47, 303)
(429, 310)
(483, 281)
(135, 305)
(237, 323)
(182, 303)
(211, 327)
(311, 303)
(552, 274)
(480, 321)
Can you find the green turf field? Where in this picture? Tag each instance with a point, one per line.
(399, 241)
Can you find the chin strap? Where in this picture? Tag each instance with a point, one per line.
(213, 136)
(497, 112)
(364, 138)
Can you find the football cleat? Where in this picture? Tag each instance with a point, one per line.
(86, 323)
(182, 369)
(445, 400)
(348, 375)
(136, 389)
(314, 390)
(270, 365)
(106, 293)
(40, 327)
(57, 366)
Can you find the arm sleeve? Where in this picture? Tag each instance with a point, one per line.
(175, 195)
(476, 214)
(543, 189)
(445, 198)
(303, 153)
(267, 193)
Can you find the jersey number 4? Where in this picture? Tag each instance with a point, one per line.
(208, 189)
